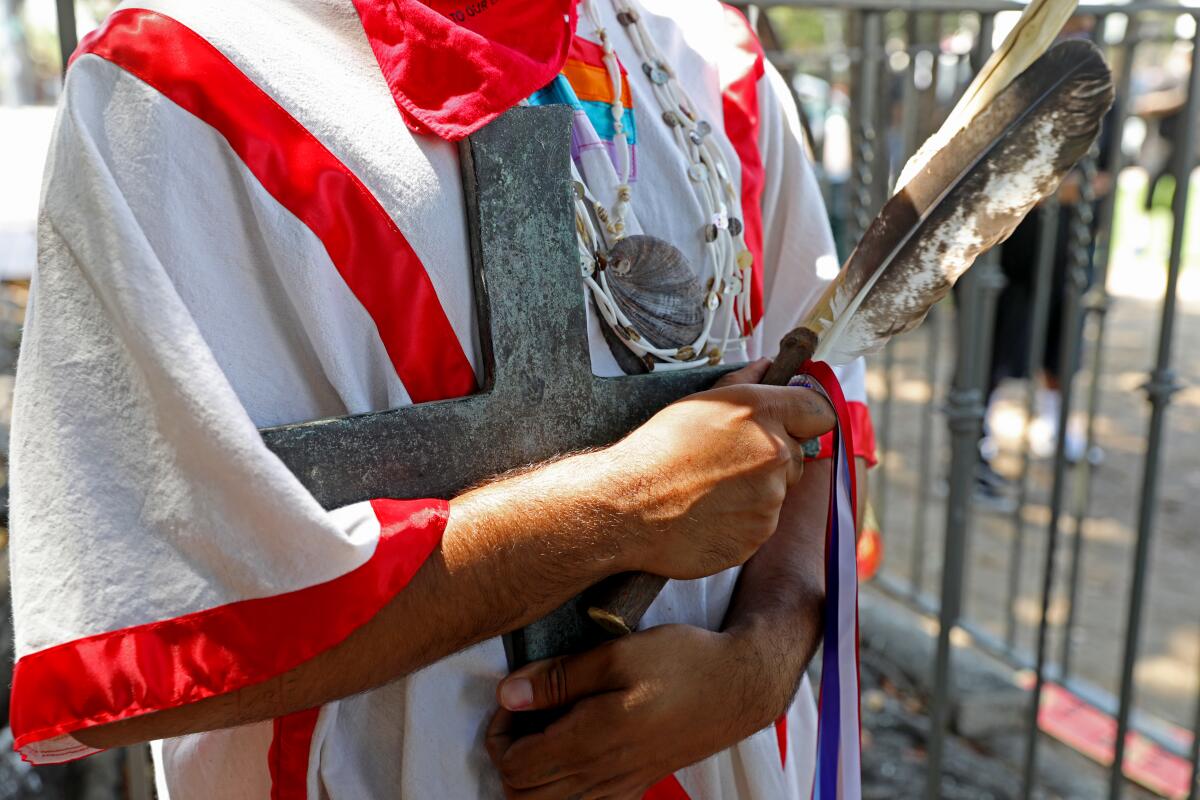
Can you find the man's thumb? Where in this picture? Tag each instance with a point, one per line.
(805, 414)
(551, 683)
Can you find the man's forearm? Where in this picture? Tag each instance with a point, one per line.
(776, 606)
(694, 491)
(512, 551)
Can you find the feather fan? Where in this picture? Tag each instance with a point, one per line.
(968, 197)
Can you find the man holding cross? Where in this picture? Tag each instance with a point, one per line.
(253, 216)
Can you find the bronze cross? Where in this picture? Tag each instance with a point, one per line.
(539, 397)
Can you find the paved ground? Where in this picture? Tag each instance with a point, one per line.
(984, 751)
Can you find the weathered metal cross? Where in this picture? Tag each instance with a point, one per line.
(539, 397)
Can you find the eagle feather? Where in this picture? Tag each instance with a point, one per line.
(968, 197)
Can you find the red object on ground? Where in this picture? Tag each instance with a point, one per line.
(1089, 730)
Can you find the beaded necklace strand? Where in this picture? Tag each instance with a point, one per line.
(599, 227)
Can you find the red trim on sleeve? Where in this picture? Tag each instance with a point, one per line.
(742, 123)
(291, 746)
(864, 435)
(146, 668)
(369, 251)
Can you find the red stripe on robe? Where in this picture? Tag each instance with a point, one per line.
(291, 745)
(739, 100)
(781, 739)
(668, 788)
(138, 670)
(369, 251)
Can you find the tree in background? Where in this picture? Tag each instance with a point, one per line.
(17, 82)
(30, 62)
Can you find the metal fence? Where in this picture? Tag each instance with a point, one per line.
(879, 142)
(881, 139)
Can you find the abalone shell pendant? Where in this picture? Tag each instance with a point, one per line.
(653, 284)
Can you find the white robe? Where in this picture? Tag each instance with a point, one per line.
(182, 300)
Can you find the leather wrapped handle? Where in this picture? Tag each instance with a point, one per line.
(618, 603)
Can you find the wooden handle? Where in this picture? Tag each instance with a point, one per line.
(617, 604)
(795, 348)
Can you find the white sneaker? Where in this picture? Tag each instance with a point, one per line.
(1043, 431)
(1076, 443)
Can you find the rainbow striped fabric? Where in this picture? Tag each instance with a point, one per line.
(584, 85)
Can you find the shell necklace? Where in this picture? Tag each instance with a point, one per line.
(643, 287)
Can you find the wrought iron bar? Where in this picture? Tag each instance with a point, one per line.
(933, 333)
(931, 115)
(1079, 259)
(883, 187)
(881, 121)
(1096, 306)
(964, 412)
(983, 275)
(859, 149)
(1159, 389)
(990, 281)
(68, 38)
(880, 481)
(909, 132)
(867, 147)
(1038, 324)
(909, 107)
(934, 324)
(1068, 355)
(1155, 730)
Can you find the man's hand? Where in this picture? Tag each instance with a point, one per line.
(705, 478)
(641, 707)
(676, 694)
